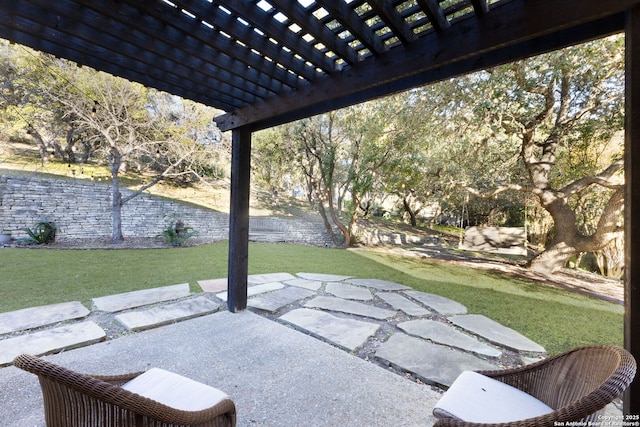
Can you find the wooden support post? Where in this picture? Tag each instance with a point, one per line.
(632, 203)
(239, 220)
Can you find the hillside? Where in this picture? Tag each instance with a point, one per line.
(23, 160)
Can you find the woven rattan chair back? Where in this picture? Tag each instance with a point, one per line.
(577, 384)
(72, 399)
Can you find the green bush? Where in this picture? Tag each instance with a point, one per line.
(43, 233)
(176, 234)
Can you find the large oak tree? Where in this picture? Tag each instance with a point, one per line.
(564, 110)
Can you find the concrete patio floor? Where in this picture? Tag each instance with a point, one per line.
(276, 375)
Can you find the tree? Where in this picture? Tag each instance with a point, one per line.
(557, 105)
(271, 163)
(342, 155)
(129, 126)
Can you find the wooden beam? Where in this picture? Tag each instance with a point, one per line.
(268, 24)
(435, 14)
(301, 16)
(480, 6)
(341, 12)
(509, 24)
(188, 39)
(385, 10)
(632, 203)
(79, 36)
(211, 13)
(104, 60)
(239, 220)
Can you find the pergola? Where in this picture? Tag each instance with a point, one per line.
(269, 62)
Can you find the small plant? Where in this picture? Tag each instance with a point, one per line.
(43, 233)
(176, 234)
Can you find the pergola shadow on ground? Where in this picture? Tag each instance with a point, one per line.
(271, 62)
(277, 376)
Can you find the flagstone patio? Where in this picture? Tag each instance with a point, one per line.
(424, 339)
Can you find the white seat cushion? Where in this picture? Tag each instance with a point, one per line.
(476, 398)
(175, 390)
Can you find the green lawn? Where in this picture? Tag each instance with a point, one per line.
(555, 318)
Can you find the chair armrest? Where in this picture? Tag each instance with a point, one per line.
(110, 392)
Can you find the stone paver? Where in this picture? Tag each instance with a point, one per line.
(381, 285)
(214, 285)
(273, 301)
(343, 290)
(496, 333)
(312, 285)
(432, 363)
(255, 279)
(323, 277)
(428, 346)
(440, 305)
(349, 334)
(440, 333)
(255, 290)
(350, 307)
(51, 340)
(119, 302)
(33, 317)
(168, 313)
(401, 303)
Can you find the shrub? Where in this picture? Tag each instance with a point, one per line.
(43, 233)
(176, 234)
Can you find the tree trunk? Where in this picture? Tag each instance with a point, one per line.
(116, 198)
(567, 240)
(553, 259)
(412, 214)
(42, 147)
(327, 223)
(116, 212)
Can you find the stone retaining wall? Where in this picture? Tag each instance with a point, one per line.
(370, 236)
(83, 210)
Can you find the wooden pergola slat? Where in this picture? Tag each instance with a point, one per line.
(349, 19)
(211, 13)
(300, 15)
(467, 39)
(386, 11)
(269, 24)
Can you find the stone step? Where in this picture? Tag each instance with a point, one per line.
(255, 279)
(348, 334)
(323, 277)
(350, 307)
(440, 333)
(346, 291)
(398, 302)
(434, 364)
(51, 340)
(255, 290)
(214, 285)
(119, 302)
(312, 285)
(45, 315)
(496, 333)
(275, 300)
(381, 285)
(440, 305)
(167, 313)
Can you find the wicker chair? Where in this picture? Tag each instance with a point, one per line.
(577, 385)
(72, 399)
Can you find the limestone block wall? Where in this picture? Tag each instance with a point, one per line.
(83, 210)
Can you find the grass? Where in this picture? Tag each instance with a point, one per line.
(555, 318)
